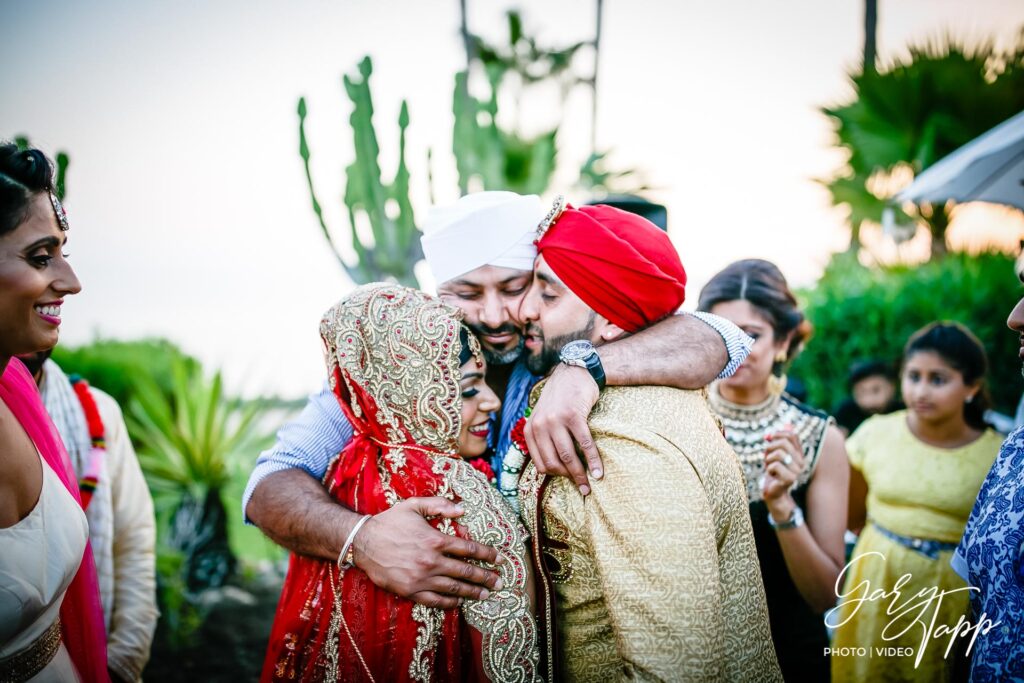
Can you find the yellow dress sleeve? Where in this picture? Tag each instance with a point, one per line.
(857, 444)
(650, 524)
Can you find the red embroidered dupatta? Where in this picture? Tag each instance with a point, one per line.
(393, 358)
(81, 613)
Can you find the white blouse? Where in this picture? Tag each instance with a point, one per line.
(39, 557)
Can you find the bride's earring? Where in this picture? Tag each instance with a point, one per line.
(777, 382)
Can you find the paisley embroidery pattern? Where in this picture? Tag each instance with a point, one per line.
(412, 361)
(401, 347)
(504, 618)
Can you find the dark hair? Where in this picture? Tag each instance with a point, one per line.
(870, 367)
(23, 173)
(958, 347)
(465, 352)
(762, 284)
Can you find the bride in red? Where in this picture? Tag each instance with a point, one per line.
(409, 377)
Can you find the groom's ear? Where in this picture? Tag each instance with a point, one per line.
(607, 331)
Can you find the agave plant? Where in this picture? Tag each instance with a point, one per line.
(189, 443)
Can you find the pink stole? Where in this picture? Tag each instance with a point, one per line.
(81, 613)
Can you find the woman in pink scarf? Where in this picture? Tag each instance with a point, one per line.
(51, 621)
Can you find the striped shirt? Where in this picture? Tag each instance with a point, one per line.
(321, 431)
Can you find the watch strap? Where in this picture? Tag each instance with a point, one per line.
(596, 370)
(796, 519)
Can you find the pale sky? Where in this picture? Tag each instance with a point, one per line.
(189, 212)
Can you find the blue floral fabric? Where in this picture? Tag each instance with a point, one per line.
(989, 558)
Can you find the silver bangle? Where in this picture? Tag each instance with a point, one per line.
(344, 561)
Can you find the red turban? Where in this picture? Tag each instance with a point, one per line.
(621, 265)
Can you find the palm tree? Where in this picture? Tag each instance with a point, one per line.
(912, 112)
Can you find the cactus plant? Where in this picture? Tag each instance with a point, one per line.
(395, 246)
(487, 156)
(498, 159)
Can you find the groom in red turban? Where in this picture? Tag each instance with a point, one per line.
(601, 272)
(655, 573)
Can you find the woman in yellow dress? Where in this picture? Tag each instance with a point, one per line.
(915, 476)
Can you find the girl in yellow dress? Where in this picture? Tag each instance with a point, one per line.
(915, 475)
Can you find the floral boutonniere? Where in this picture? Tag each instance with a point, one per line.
(481, 465)
(512, 464)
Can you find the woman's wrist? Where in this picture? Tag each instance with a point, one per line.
(781, 509)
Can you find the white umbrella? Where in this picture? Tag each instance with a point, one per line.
(989, 168)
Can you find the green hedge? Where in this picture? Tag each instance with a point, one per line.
(862, 312)
(115, 366)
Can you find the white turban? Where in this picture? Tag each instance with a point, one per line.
(482, 229)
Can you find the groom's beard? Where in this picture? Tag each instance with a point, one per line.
(542, 361)
(495, 357)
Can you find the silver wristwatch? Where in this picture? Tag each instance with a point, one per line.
(582, 354)
(795, 520)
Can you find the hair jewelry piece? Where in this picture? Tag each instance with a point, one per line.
(58, 209)
(556, 210)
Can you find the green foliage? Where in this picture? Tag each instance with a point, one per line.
(196, 446)
(859, 313)
(521, 55)
(487, 154)
(909, 114)
(395, 247)
(499, 159)
(503, 158)
(191, 447)
(190, 439)
(598, 179)
(117, 366)
(179, 609)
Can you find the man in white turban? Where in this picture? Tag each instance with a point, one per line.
(481, 251)
(486, 238)
(482, 229)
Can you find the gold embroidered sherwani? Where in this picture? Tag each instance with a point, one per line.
(654, 575)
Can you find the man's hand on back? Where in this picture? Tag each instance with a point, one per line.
(397, 548)
(403, 554)
(558, 423)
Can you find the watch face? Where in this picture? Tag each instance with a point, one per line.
(577, 350)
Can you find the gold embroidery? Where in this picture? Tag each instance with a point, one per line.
(664, 574)
(529, 489)
(401, 348)
(422, 666)
(504, 618)
(557, 552)
(407, 358)
(24, 664)
(332, 647)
